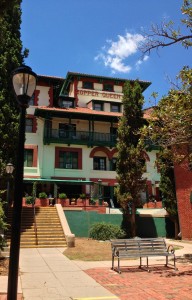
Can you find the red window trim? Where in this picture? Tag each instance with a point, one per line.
(35, 153)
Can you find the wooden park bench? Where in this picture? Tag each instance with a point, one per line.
(139, 248)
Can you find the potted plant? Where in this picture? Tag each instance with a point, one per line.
(28, 200)
(44, 201)
(93, 201)
(82, 199)
(42, 195)
(62, 196)
(63, 199)
(82, 196)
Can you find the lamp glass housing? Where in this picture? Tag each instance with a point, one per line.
(24, 84)
(9, 168)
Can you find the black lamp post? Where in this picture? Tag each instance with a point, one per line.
(100, 191)
(24, 83)
(9, 170)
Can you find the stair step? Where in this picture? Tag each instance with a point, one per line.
(49, 230)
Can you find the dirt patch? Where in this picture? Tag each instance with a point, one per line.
(89, 250)
(4, 266)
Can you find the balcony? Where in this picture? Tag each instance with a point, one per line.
(79, 138)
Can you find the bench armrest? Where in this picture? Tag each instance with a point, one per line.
(171, 249)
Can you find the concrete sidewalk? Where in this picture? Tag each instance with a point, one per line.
(45, 273)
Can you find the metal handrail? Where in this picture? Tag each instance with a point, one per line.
(35, 224)
(86, 136)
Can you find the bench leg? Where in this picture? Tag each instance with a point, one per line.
(112, 262)
(147, 264)
(176, 269)
(119, 266)
(166, 261)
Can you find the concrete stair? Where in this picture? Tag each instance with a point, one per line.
(49, 230)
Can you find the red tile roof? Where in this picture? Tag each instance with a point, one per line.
(85, 110)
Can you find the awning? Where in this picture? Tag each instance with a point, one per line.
(64, 181)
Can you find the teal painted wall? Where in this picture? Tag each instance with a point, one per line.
(81, 221)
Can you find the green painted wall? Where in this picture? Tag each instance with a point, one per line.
(81, 221)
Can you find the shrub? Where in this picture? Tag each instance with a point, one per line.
(29, 200)
(93, 201)
(82, 196)
(106, 231)
(62, 196)
(42, 195)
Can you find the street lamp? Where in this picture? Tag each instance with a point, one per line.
(9, 170)
(24, 83)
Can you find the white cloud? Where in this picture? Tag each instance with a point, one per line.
(115, 53)
(140, 61)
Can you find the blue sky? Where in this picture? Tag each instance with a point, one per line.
(101, 37)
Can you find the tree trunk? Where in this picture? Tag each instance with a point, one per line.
(175, 220)
(133, 221)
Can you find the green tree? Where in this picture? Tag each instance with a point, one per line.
(171, 121)
(167, 186)
(130, 160)
(10, 58)
(170, 126)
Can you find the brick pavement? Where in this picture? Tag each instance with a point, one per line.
(135, 284)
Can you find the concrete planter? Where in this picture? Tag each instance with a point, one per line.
(63, 202)
(42, 202)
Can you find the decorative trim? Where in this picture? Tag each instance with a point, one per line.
(36, 100)
(145, 156)
(50, 93)
(103, 149)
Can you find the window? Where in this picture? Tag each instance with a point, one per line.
(115, 107)
(68, 160)
(66, 103)
(108, 87)
(28, 158)
(98, 106)
(88, 85)
(29, 125)
(99, 163)
(66, 129)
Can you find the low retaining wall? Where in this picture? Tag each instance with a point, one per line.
(147, 226)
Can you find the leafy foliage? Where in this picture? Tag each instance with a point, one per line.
(130, 159)
(167, 182)
(29, 200)
(172, 118)
(62, 196)
(3, 224)
(105, 231)
(10, 58)
(42, 195)
(130, 163)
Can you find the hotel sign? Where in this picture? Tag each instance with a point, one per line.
(99, 94)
